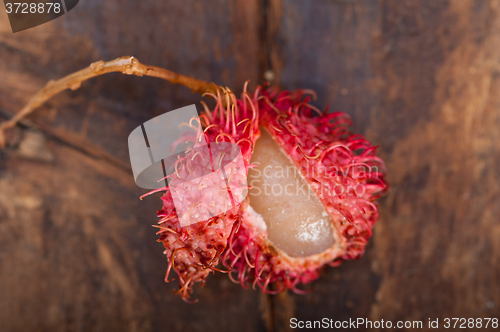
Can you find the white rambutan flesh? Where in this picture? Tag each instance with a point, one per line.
(297, 223)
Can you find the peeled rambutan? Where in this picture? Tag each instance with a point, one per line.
(311, 196)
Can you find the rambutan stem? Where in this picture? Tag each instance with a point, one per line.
(127, 65)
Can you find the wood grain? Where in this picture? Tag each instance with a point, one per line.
(420, 79)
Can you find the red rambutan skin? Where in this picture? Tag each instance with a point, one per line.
(325, 153)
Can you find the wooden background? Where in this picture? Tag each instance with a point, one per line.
(419, 78)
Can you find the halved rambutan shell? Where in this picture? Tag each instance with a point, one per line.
(321, 212)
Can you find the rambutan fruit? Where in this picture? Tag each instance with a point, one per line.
(311, 196)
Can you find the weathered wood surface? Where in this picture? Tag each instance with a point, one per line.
(420, 78)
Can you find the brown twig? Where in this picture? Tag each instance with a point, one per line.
(127, 65)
